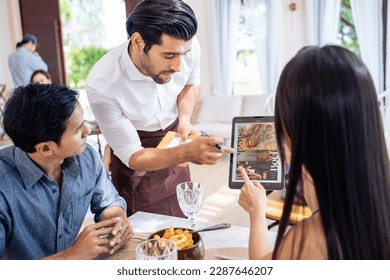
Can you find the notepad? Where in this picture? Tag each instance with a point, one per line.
(173, 139)
(176, 141)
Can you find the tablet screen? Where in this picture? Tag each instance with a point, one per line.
(256, 150)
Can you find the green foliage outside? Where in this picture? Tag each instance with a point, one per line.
(66, 11)
(347, 32)
(82, 35)
(81, 62)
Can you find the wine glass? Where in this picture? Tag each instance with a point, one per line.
(156, 249)
(190, 197)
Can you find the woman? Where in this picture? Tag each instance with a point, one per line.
(25, 60)
(330, 133)
(40, 77)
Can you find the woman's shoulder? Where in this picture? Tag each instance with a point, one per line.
(305, 240)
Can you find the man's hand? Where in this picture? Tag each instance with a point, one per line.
(120, 234)
(185, 128)
(91, 242)
(202, 150)
(121, 231)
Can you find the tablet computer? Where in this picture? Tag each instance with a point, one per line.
(256, 150)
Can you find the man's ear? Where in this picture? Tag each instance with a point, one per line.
(137, 41)
(44, 148)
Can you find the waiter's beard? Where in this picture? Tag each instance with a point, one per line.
(162, 77)
(160, 80)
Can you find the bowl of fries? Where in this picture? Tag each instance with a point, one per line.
(189, 245)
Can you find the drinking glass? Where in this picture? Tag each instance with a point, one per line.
(190, 197)
(156, 249)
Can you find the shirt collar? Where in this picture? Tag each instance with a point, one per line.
(28, 170)
(129, 67)
(31, 173)
(72, 167)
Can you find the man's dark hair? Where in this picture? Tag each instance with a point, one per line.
(152, 18)
(38, 113)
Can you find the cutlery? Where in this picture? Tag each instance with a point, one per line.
(210, 228)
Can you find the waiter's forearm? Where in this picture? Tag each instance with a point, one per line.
(150, 159)
(187, 100)
(201, 150)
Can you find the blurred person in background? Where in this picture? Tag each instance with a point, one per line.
(41, 77)
(25, 60)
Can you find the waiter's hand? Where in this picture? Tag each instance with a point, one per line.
(185, 128)
(203, 150)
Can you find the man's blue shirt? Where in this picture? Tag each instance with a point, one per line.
(37, 218)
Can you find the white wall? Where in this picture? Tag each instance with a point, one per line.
(10, 34)
(293, 31)
(200, 10)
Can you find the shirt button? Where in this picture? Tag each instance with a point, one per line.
(53, 190)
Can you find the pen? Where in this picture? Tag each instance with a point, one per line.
(216, 145)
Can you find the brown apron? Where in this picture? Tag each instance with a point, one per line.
(151, 191)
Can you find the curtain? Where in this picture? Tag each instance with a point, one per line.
(387, 50)
(224, 18)
(367, 16)
(322, 17)
(264, 16)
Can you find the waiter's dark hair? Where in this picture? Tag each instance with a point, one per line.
(38, 113)
(152, 18)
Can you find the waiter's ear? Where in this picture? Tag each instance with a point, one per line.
(137, 41)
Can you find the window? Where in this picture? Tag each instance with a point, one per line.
(347, 34)
(246, 76)
(90, 29)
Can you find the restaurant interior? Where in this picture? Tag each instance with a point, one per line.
(290, 26)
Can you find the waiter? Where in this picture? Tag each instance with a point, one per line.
(144, 88)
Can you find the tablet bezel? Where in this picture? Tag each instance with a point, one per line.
(237, 184)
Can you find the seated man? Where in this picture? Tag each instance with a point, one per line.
(50, 177)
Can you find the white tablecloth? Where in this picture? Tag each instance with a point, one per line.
(231, 237)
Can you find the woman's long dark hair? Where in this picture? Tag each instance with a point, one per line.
(326, 104)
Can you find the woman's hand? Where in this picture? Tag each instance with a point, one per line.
(252, 196)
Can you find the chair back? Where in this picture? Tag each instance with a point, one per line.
(3, 100)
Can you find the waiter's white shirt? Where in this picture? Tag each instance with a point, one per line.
(124, 100)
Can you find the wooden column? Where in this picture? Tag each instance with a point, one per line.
(42, 18)
(130, 4)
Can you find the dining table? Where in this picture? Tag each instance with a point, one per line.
(230, 243)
